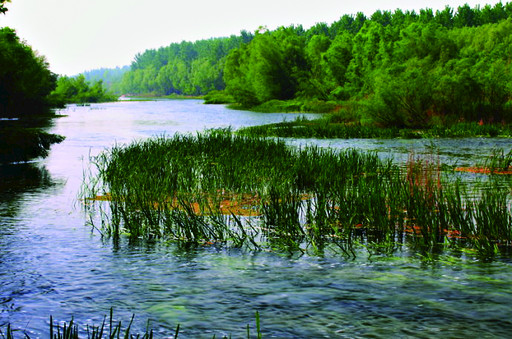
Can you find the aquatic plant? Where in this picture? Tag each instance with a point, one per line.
(71, 330)
(497, 163)
(110, 330)
(329, 127)
(216, 188)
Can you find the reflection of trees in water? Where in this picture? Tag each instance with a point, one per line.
(16, 179)
(25, 139)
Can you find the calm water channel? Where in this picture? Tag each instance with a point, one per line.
(51, 262)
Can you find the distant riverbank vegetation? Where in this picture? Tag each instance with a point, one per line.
(78, 90)
(392, 69)
(336, 126)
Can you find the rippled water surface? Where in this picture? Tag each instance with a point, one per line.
(51, 262)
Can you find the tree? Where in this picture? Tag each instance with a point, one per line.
(466, 17)
(25, 78)
(3, 9)
(445, 17)
(337, 59)
(405, 97)
(77, 90)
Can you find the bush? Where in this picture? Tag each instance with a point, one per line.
(218, 97)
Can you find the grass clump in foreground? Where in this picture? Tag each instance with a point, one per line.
(219, 188)
(110, 330)
(71, 330)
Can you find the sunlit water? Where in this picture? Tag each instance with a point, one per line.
(51, 262)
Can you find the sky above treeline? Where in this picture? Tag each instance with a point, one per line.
(81, 35)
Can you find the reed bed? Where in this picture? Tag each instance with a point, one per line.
(216, 188)
(329, 127)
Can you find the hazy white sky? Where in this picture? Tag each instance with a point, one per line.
(80, 35)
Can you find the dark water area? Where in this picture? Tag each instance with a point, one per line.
(53, 263)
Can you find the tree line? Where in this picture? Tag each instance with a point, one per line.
(398, 68)
(402, 69)
(188, 68)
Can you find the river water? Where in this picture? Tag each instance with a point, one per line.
(52, 263)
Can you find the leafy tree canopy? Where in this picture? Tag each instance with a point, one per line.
(3, 9)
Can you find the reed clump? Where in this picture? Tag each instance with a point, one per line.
(109, 329)
(220, 188)
(71, 330)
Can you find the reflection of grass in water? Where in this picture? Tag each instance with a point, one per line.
(245, 191)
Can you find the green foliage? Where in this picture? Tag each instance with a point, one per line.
(218, 97)
(405, 69)
(3, 9)
(77, 90)
(25, 85)
(188, 68)
(25, 79)
(345, 124)
(111, 77)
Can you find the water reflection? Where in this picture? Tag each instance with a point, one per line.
(16, 179)
(51, 264)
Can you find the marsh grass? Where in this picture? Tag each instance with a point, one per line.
(232, 190)
(330, 127)
(71, 330)
(107, 330)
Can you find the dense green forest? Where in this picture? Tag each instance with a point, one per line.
(189, 68)
(399, 68)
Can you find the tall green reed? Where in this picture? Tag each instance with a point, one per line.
(216, 187)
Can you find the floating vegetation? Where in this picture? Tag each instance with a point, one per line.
(497, 163)
(231, 190)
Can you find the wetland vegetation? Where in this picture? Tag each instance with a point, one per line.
(215, 188)
(334, 126)
(198, 269)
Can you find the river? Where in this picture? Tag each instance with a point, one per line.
(53, 263)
